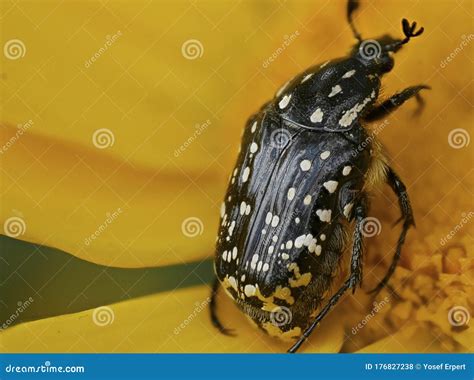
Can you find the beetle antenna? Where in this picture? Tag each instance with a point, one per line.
(410, 31)
(352, 5)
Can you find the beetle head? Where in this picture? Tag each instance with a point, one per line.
(376, 54)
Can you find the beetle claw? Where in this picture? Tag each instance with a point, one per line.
(410, 29)
(375, 290)
(227, 332)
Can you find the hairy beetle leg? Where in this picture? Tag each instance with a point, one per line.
(399, 189)
(354, 280)
(213, 311)
(391, 104)
(360, 213)
(333, 301)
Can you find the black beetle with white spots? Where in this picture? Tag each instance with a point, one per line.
(295, 207)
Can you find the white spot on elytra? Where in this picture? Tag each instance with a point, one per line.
(222, 209)
(291, 193)
(307, 77)
(289, 244)
(349, 74)
(317, 250)
(322, 237)
(247, 210)
(284, 101)
(232, 282)
(317, 116)
(224, 255)
(347, 209)
(305, 165)
(307, 240)
(346, 170)
(285, 256)
(259, 266)
(274, 238)
(330, 186)
(249, 290)
(325, 154)
(297, 220)
(234, 253)
(324, 215)
(243, 205)
(275, 220)
(245, 174)
(335, 90)
(299, 241)
(265, 267)
(231, 228)
(253, 147)
(307, 199)
(271, 249)
(254, 127)
(268, 218)
(264, 231)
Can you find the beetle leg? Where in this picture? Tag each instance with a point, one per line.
(213, 310)
(333, 301)
(360, 213)
(391, 104)
(399, 189)
(355, 278)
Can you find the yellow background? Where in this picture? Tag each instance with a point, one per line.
(151, 97)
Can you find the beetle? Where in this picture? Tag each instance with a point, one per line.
(298, 196)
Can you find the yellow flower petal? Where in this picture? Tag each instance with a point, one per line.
(107, 211)
(162, 96)
(176, 321)
(410, 339)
